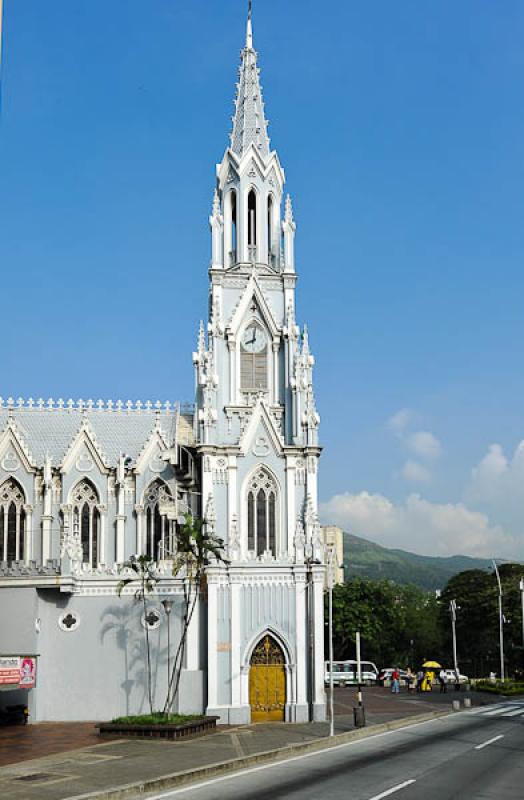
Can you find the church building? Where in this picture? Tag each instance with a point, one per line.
(85, 485)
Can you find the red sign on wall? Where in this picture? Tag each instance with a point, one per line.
(18, 671)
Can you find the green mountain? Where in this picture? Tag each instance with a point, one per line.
(369, 560)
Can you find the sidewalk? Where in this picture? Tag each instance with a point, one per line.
(71, 771)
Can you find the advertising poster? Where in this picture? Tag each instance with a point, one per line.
(27, 672)
(9, 671)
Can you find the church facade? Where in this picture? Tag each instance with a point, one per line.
(86, 485)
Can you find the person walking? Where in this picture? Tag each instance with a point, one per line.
(411, 680)
(420, 679)
(395, 681)
(443, 680)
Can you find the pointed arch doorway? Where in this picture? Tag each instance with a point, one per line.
(267, 681)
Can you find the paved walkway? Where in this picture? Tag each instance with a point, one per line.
(80, 763)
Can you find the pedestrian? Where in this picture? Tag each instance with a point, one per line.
(420, 678)
(443, 680)
(411, 680)
(395, 681)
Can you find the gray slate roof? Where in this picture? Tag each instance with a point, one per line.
(52, 430)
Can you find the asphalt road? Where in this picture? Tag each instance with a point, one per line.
(473, 755)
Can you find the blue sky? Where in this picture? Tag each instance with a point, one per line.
(401, 129)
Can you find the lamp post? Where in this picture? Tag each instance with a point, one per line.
(501, 624)
(453, 612)
(521, 586)
(168, 605)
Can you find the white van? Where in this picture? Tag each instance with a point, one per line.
(345, 673)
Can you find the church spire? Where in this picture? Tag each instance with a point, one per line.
(249, 28)
(249, 122)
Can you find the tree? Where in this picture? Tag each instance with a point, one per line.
(141, 569)
(197, 547)
(476, 593)
(397, 624)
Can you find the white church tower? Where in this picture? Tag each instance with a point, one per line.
(256, 428)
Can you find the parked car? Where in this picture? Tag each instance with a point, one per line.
(386, 673)
(450, 674)
(345, 673)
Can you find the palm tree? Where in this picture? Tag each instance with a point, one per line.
(142, 570)
(197, 547)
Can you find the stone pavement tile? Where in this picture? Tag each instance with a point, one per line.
(22, 742)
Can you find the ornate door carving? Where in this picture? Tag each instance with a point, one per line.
(267, 682)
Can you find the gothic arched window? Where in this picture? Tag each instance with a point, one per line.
(12, 521)
(253, 359)
(252, 217)
(157, 526)
(262, 495)
(270, 254)
(86, 521)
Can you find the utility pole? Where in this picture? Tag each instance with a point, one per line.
(521, 585)
(453, 612)
(501, 624)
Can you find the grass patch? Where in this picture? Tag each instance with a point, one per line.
(157, 718)
(508, 688)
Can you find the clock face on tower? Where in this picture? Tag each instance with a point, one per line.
(254, 339)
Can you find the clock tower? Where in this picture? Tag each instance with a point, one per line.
(256, 428)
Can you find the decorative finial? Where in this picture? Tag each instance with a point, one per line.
(249, 28)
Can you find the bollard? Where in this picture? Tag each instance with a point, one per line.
(456, 705)
(467, 702)
(359, 717)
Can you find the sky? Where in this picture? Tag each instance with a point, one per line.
(401, 130)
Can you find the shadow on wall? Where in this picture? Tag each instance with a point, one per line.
(124, 622)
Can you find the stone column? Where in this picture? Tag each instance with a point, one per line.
(212, 641)
(193, 639)
(139, 511)
(317, 623)
(47, 520)
(291, 506)
(302, 647)
(102, 555)
(236, 600)
(28, 534)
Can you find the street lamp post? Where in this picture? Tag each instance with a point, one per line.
(521, 586)
(168, 605)
(453, 612)
(501, 624)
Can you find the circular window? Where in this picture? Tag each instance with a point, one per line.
(152, 619)
(69, 621)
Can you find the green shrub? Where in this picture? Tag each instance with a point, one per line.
(157, 718)
(508, 688)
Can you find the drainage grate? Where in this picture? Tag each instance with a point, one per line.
(38, 776)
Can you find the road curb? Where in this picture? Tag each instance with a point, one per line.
(173, 780)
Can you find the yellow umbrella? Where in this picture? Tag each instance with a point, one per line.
(432, 664)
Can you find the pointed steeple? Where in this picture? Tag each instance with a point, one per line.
(249, 122)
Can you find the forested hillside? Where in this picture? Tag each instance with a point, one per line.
(363, 558)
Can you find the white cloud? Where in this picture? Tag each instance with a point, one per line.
(400, 421)
(419, 525)
(497, 486)
(424, 444)
(413, 471)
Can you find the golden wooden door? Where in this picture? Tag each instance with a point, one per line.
(267, 682)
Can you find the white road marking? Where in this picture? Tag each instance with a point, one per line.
(190, 787)
(490, 741)
(514, 712)
(393, 789)
(497, 711)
